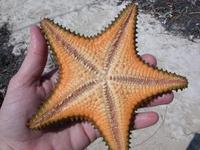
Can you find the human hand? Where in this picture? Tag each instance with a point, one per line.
(28, 88)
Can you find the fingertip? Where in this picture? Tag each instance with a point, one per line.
(35, 60)
(167, 98)
(91, 132)
(33, 27)
(163, 99)
(37, 41)
(150, 59)
(145, 119)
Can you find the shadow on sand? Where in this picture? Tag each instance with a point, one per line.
(195, 143)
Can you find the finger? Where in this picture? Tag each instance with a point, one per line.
(82, 135)
(35, 60)
(145, 119)
(52, 76)
(91, 132)
(48, 82)
(150, 59)
(162, 100)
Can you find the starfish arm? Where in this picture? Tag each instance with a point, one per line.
(119, 119)
(74, 76)
(128, 68)
(78, 46)
(69, 107)
(143, 82)
(116, 37)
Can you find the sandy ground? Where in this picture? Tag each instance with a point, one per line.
(180, 120)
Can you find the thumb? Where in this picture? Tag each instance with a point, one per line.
(35, 60)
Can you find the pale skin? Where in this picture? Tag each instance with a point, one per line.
(28, 87)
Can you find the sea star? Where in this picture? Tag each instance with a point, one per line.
(102, 79)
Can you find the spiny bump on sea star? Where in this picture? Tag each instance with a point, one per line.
(102, 79)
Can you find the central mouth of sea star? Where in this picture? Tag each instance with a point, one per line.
(103, 77)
